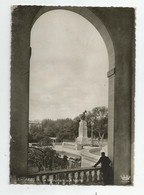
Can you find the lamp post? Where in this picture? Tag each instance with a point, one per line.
(92, 125)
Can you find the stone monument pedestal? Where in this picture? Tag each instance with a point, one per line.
(83, 138)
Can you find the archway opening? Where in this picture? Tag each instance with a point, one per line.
(68, 75)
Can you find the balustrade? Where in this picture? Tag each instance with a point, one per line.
(80, 176)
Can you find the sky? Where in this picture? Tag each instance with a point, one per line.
(68, 66)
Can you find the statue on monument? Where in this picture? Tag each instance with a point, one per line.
(83, 115)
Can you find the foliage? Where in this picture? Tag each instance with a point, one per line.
(99, 117)
(67, 129)
(46, 158)
(62, 129)
(35, 133)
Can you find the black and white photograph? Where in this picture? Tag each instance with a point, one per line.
(72, 95)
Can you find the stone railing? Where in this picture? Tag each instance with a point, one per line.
(71, 145)
(81, 176)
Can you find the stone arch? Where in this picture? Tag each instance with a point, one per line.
(98, 24)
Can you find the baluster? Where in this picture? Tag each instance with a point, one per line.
(38, 180)
(70, 178)
(57, 179)
(87, 174)
(101, 176)
(54, 179)
(76, 177)
(79, 178)
(60, 178)
(95, 176)
(51, 179)
(98, 175)
(73, 177)
(90, 177)
(67, 178)
(33, 180)
(47, 180)
(63, 178)
(44, 178)
(93, 173)
(84, 178)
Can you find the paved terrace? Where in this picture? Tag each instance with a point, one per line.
(89, 155)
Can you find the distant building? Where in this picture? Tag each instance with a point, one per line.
(36, 123)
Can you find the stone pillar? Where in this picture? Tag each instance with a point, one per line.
(22, 18)
(111, 76)
(121, 86)
(119, 123)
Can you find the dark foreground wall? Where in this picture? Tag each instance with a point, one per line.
(119, 23)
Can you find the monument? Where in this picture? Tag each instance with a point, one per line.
(82, 138)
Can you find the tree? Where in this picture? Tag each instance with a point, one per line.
(43, 158)
(45, 141)
(35, 133)
(101, 121)
(67, 129)
(49, 127)
(36, 157)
